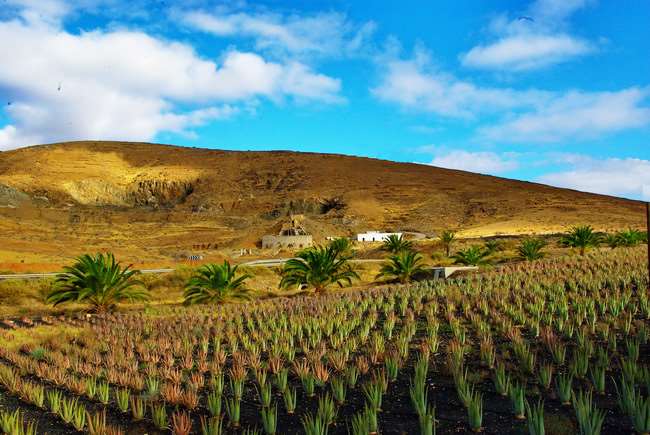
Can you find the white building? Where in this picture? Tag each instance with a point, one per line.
(375, 236)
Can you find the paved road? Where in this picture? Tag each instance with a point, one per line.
(52, 274)
(447, 271)
(281, 261)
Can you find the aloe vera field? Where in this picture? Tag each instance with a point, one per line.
(554, 346)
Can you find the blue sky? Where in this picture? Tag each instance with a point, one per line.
(556, 91)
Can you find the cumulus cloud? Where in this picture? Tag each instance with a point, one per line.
(124, 84)
(515, 115)
(535, 40)
(576, 115)
(416, 84)
(524, 52)
(482, 162)
(326, 34)
(620, 177)
(39, 12)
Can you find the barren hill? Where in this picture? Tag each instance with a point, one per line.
(151, 202)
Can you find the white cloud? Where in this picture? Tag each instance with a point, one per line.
(40, 12)
(128, 85)
(524, 52)
(621, 177)
(482, 162)
(555, 11)
(536, 39)
(329, 34)
(515, 115)
(416, 84)
(576, 115)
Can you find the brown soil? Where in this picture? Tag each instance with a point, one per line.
(152, 203)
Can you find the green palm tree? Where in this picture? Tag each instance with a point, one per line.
(402, 266)
(611, 240)
(629, 237)
(216, 283)
(447, 237)
(318, 267)
(581, 238)
(396, 243)
(472, 256)
(343, 246)
(531, 249)
(98, 280)
(492, 246)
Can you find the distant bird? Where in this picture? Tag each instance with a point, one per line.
(59, 88)
(525, 18)
(8, 103)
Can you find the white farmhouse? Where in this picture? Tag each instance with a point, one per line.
(375, 236)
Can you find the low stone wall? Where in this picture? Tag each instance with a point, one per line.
(302, 241)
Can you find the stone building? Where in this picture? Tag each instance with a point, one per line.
(292, 235)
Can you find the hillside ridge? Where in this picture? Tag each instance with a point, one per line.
(154, 200)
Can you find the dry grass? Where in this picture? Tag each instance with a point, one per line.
(26, 297)
(82, 201)
(36, 336)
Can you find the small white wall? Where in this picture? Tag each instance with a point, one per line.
(373, 236)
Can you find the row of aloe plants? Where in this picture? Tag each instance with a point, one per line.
(558, 331)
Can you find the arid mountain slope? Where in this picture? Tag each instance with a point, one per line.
(151, 202)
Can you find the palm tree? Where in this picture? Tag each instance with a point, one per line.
(612, 240)
(531, 249)
(472, 256)
(629, 237)
(447, 237)
(343, 246)
(97, 280)
(402, 266)
(582, 238)
(318, 267)
(216, 283)
(492, 246)
(395, 244)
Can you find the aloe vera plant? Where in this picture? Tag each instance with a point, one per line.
(475, 412)
(590, 419)
(269, 419)
(564, 388)
(535, 416)
(518, 400)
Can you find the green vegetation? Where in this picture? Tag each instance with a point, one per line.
(472, 256)
(581, 238)
(403, 266)
(396, 244)
(343, 246)
(627, 238)
(216, 283)
(99, 281)
(318, 267)
(344, 359)
(531, 249)
(447, 238)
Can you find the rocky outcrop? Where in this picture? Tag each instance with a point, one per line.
(159, 193)
(142, 192)
(10, 197)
